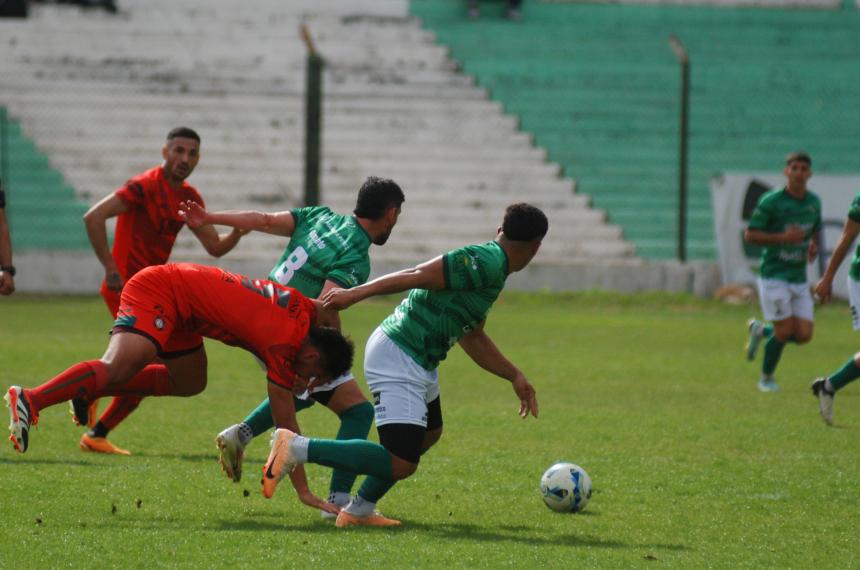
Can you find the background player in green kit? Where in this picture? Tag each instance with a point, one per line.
(787, 221)
(448, 303)
(326, 250)
(825, 388)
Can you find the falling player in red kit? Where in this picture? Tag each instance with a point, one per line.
(165, 311)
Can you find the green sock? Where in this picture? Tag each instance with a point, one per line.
(772, 351)
(767, 330)
(354, 424)
(260, 420)
(374, 488)
(845, 375)
(354, 455)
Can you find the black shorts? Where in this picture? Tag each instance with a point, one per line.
(406, 440)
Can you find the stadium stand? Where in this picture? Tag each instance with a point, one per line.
(46, 214)
(598, 86)
(97, 94)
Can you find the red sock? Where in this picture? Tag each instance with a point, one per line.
(119, 409)
(154, 380)
(83, 380)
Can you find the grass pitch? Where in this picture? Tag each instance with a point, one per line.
(691, 466)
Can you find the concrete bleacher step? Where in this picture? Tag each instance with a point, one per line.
(97, 95)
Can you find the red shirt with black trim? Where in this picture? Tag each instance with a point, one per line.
(145, 234)
(266, 318)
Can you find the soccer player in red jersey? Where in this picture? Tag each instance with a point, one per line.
(165, 311)
(146, 208)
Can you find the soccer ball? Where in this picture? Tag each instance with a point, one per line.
(566, 488)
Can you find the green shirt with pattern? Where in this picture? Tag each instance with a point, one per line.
(324, 246)
(854, 215)
(775, 212)
(428, 323)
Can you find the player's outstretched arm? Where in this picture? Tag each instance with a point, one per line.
(824, 287)
(277, 223)
(95, 222)
(428, 275)
(284, 414)
(481, 349)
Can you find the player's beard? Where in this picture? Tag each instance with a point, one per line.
(382, 238)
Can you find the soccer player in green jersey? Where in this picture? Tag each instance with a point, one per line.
(787, 222)
(326, 250)
(448, 304)
(825, 388)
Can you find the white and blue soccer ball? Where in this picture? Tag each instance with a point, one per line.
(566, 488)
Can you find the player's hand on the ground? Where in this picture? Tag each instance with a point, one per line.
(7, 283)
(339, 299)
(793, 235)
(823, 290)
(113, 280)
(528, 398)
(193, 213)
(813, 251)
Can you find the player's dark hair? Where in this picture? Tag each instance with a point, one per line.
(800, 156)
(337, 349)
(183, 132)
(524, 222)
(376, 196)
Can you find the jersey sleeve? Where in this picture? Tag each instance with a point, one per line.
(194, 196)
(302, 215)
(469, 268)
(818, 220)
(131, 193)
(762, 215)
(854, 209)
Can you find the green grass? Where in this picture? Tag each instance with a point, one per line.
(691, 465)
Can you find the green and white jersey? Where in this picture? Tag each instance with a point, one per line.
(854, 214)
(428, 323)
(324, 245)
(775, 212)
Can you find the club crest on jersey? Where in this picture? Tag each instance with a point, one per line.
(159, 323)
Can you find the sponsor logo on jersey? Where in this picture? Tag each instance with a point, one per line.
(317, 240)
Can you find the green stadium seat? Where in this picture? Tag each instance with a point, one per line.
(598, 87)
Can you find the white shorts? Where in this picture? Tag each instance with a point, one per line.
(401, 388)
(854, 302)
(781, 300)
(328, 386)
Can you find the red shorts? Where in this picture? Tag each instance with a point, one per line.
(148, 306)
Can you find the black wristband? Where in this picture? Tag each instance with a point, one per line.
(10, 269)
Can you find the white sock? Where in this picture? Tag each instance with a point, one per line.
(299, 448)
(245, 434)
(339, 498)
(360, 507)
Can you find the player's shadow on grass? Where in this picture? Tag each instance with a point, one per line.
(32, 461)
(454, 531)
(193, 457)
(525, 535)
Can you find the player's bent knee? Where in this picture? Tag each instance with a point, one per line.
(188, 389)
(431, 437)
(360, 413)
(401, 469)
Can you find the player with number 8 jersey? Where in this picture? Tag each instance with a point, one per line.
(326, 251)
